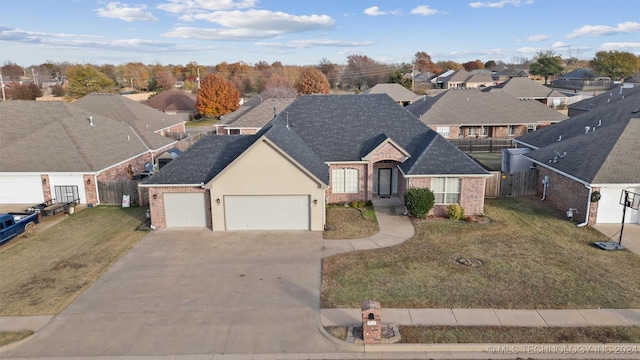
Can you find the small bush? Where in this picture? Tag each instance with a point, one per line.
(357, 204)
(419, 201)
(455, 212)
(369, 203)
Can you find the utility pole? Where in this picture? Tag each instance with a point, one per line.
(33, 76)
(2, 84)
(198, 78)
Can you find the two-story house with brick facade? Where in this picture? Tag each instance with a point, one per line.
(321, 149)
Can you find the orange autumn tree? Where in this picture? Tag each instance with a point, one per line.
(312, 81)
(217, 96)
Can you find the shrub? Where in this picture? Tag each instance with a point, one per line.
(357, 204)
(455, 212)
(419, 201)
(369, 203)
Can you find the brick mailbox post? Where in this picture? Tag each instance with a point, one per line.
(371, 326)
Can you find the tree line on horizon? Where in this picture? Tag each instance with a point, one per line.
(277, 80)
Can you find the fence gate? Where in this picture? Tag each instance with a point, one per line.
(520, 183)
(111, 192)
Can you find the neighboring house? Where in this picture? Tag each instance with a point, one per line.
(459, 114)
(524, 88)
(49, 149)
(420, 79)
(506, 74)
(321, 149)
(175, 102)
(139, 116)
(250, 118)
(596, 152)
(602, 99)
(462, 79)
(583, 79)
(397, 92)
(479, 78)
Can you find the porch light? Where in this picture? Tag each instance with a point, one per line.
(218, 201)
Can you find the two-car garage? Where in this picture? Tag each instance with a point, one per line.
(241, 212)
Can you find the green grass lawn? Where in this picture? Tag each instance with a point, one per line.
(492, 161)
(533, 259)
(9, 337)
(41, 275)
(202, 122)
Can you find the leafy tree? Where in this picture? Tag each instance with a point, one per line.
(363, 72)
(165, 79)
(312, 81)
(330, 70)
(473, 65)
(398, 78)
(449, 65)
(217, 96)
(615, 64)
(546, 64)
(137, 75)
(279, 87)
(85, 79)
(24, 91)
(422, 62)
(419, 201)
(57, 90)
(490, 65)
(11, 71)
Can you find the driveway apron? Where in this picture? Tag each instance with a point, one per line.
(196, 292)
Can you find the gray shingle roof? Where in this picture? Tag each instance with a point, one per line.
(318, 129)
(342, 127)
(261, 114)
(173, 100)
(605, 98)
(396, 91)
(608, 154)
(58, 137)
(524, 88)
(477, 108)
(144, 119)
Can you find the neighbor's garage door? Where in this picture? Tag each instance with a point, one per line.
(185, 210)
(21, 189)
(289, 212)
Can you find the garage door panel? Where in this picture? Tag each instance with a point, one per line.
(286, 212)
(18, 189)
(185, 210)
(610, 209)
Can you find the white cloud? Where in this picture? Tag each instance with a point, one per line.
(375, 11)
(536, 38)
(424, 10)
(302, 44)
(499, 4)
(251, 24)
(602, 30)
(559, 44)
(116, 10)
(622, 46)
(191, 6)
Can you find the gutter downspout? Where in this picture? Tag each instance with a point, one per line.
(95, 182)
(586, 219)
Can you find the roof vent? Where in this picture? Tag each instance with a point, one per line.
(91, 121)
(559, 137)
(599, 122)
(635, 111)
(586, 129)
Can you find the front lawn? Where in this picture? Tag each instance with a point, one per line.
(350, 223)
(41, 275)
(530, 258)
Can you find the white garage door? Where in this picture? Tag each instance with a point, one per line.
(21, 189)
(185, 210)
(284, 212)
(610, 210)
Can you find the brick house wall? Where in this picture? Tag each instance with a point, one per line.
(363, 179)
(46, 189)
(90, 189)
(564, 193)
(178, 128)
(156, 203)
(471, 194)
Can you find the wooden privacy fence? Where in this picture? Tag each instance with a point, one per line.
(111, 192)
(482, 145)
(521, 183)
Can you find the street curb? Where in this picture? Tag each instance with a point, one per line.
(341, 343)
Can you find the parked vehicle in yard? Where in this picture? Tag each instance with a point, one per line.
(52, 207)
(14, 224)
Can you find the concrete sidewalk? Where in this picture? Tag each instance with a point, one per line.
(489, 317)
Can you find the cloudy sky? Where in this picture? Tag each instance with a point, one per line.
(302, 32)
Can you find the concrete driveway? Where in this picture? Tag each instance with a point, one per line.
(196, 292)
